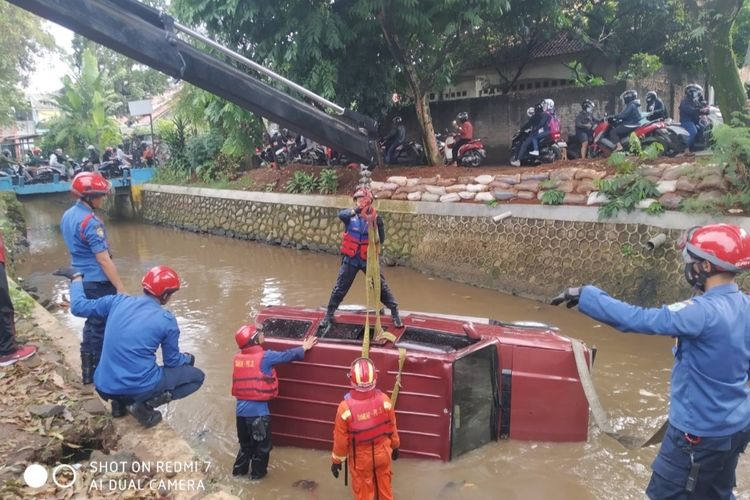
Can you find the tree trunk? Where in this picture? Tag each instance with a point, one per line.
(720, 62)
(424, 116)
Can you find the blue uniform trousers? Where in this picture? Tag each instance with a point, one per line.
(181, 382)
(717, 457)
(347, 273)
(93, 329)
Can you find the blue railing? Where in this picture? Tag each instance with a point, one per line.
(130, 177)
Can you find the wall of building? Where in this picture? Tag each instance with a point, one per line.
(535, 253)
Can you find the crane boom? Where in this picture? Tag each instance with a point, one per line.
(148, 36)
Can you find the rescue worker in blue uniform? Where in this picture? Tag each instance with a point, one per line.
(354, 251)
(254, 384)
(137, 327)
(709, 411)
(86, 239)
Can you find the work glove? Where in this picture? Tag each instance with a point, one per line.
(394, 454)
(69, 272)
(570, 295)
(191, 359)
(335, 468)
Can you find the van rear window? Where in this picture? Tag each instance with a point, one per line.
(348, 332)
(445, 342)
(285, 328)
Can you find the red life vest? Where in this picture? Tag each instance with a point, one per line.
(248, 382)
(370, 420)
(355, 238)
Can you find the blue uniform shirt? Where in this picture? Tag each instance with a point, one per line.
(136, 328)
(709, 394)
(247, 408)
(82, 252)
(358, 224)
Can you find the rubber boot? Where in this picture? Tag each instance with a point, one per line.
(88, 367)
(160, 399)
(118, 408)
(396, 318)
(325, 324)
(145, 415)
(241, 464)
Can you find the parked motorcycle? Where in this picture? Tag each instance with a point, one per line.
(710, 117)
(113, 168)
(334, 158)
(550, 148)
(316, 155)
(470, 154)
(407, 153)
(648, 132)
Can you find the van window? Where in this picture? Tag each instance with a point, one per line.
(285, 328)
(433, 339)
(349, 333)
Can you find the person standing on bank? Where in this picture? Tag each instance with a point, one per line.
(137, 327)
(10, 352)
(254, 384)
(365, 433)
(86, 239)
(354, 251)
(709, 410)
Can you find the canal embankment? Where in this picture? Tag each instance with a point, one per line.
(524, 249)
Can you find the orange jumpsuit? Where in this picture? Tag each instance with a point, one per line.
(370, 461)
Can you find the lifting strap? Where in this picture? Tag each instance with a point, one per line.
(372, 283)
(600, 415)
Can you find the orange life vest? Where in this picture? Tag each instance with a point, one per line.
(248, 382)
(355, 238)
(370, 420)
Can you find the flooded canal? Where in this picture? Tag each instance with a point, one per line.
(226, 281)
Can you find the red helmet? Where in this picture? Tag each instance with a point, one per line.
(245, 334)
(363, 192)
(726, 246)
(160, 280)
(363, 375)
(90, 184)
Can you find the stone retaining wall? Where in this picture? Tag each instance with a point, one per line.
(535, 252)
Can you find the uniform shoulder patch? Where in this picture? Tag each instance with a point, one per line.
(168, 315)
(678, 306)
(100, 231)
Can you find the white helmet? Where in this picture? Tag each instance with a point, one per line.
(548, 105)
(530, 111)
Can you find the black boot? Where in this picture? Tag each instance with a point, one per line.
(325, 323)
(396, 318)
(241, 464)
(88, 367)
(145, 415)
(160, 399)
(118, 408)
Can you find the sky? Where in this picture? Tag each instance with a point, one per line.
(52, 67)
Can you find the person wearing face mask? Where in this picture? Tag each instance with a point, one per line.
(709, 410)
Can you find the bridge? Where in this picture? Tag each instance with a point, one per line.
(131, 177)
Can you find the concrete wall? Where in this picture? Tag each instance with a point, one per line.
(535, 253)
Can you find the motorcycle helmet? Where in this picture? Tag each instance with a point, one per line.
(363, 376)
(88, 184)
(629, 96)
(539, 108)
(108, 149)
(58, 151)
(90, 147)
(246, 335)
(588, 105)
(397, 120)
(463, 116)
(694, 92)
(651, 97)
(37, 151)
(725, 246)
(160, 281)
(530, 112)
(6, 153)
(548, 105)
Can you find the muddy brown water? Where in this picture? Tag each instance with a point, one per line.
(226, 281)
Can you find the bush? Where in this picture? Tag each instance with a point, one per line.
(329, 181)
(641, 65)
(732, 148)
(301, 182)
(174, 134)
(624, 193)
(553, 197)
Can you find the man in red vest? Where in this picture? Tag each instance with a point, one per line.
(365, 433)
(254, 384)
(10, 352)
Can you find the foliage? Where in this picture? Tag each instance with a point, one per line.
(582, 76)
(329, 181)
(201, 151)
(174, 134)
(548, 184)
(655, 208)
(168, 175)
(23, 304)
(652, 151)
(86, 104)
(301, 182)
(641, 65)
(732, 148)
(634, 145)
(624, 193)
(620, 161)
(553, 197)
(22, 41)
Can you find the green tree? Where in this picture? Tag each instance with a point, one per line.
(86, 103)
(22, 40)
(717, 20)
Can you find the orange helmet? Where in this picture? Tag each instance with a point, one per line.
(245, 334)
(363, 375)
(89, 184)
(726, 246)
(160, 280)
(363, 193)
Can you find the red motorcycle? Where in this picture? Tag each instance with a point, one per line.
(648, 133)
(470, 154)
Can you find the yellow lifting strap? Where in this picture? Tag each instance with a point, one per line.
(372, 283)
